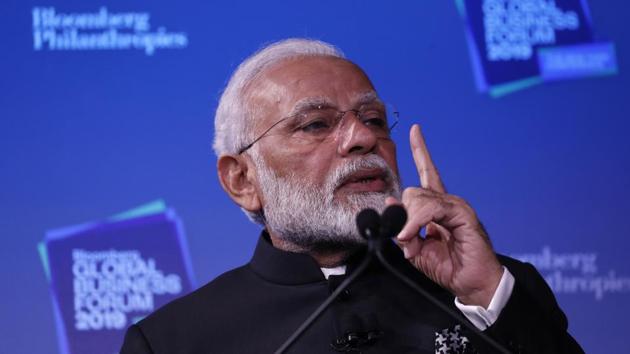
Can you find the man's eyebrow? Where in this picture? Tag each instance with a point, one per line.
(368, 97)
(309, 103)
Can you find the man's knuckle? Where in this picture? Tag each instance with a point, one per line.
(409, 193)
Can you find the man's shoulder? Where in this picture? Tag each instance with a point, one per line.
(196, 322)
(525, 274)
(510, 262)
(522, 271)
(209, 301)
(533, 284)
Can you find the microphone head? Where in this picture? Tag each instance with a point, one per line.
(368, 223)
(393, 220)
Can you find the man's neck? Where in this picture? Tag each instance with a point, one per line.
(324, 258)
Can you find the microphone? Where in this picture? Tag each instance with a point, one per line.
(393, 220)
(368, 223)
(371, 225)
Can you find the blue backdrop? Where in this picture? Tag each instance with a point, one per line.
(85, 133)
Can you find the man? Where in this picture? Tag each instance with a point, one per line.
(303, 144)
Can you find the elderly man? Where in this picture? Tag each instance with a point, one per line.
(303, 144)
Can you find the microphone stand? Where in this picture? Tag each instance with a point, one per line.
(375, 248)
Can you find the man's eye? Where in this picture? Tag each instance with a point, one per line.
(376, 122)
(314, 126)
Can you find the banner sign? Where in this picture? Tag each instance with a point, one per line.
(101, 29)
(515, 44)
(577, 273)
(105, 276)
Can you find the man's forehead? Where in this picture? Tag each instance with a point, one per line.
(294, 84)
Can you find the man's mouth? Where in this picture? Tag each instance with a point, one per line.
(371, 180)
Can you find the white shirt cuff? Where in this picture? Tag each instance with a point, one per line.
(483, 318)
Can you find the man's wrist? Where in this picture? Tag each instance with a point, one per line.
(484, 317)
(484, 295)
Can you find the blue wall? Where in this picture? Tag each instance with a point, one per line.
(85, 134)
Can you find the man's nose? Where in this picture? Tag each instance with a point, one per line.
(354, 137)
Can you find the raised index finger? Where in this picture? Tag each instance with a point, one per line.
(429, 175)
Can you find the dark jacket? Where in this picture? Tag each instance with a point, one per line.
(256, 307)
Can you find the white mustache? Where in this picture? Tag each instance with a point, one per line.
(343, 172)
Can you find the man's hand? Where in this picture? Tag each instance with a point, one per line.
(455, 251)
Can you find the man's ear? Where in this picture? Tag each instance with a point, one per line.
(236, 178)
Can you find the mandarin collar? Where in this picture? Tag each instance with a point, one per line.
(283, 267)
(291, 268)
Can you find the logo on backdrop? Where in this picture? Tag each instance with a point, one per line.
(519, 43)
(576, 273)
(106, 275)
(100, 30)
(110, 284)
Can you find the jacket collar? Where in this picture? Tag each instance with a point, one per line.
(290, 268)
(282, 267)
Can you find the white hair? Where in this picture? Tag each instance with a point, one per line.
(232, 120)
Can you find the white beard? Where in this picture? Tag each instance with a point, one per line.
(308, 217)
